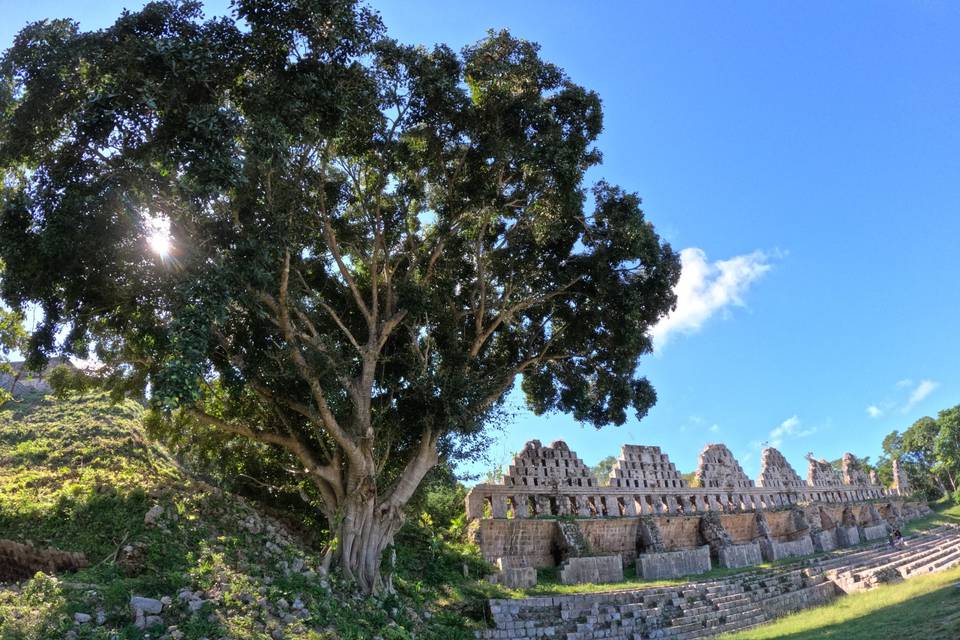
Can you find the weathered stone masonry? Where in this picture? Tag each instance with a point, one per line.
(647, 509)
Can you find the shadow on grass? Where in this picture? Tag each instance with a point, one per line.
(933, 615)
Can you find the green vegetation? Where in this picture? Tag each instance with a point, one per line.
(944, 512)
(12, 337)
(929, 453)
(300, 232)
(79, 475)
(925, 607)
(601, 470)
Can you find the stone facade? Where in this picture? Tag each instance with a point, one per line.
(553, 481)
(776, 472)
(644, 467)
(772, 550)
(821, 473)
(650, 518)
(717, 468)
(551, 466)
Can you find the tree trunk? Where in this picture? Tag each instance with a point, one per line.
(363, 534)
(365, 520)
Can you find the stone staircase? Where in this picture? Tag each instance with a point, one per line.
(704, 609)
(571, 542)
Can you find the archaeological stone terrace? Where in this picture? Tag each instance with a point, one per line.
(549, 510)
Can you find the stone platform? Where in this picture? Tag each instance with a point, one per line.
(703, 609)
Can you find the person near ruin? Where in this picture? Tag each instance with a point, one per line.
(897, 537)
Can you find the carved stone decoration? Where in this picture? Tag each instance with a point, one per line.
(763, 529)
(551, 466)
(848, 519)
(713, 533)
(717, 468)
(645, 467)
(853, 474)
(776, 472)
(821, 473)
(873, 478)
(569, 541)
(649, 539)
(799, 521)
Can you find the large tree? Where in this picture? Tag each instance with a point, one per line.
(369, 243)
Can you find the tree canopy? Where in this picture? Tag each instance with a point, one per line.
(369, 243)
(929, 453)
(12, 337)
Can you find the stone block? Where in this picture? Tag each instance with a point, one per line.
(848, 536)
(515, 578)
(773, 550)
(673, 564)
(824, 540)
(876, 532)
(595, 569)
(740, 555)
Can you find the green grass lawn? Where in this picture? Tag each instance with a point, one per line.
(944, 512)
(925, 607)
(922, 608)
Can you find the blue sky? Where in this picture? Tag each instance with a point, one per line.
(804, 156)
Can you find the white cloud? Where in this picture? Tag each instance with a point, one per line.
(921, 391)
(707, 287)
(906, 382)
(790, 428)
(714, 428)
(874, 411)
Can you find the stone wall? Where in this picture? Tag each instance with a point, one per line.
(526, 542)
(538, 542)
(594, 569)
(648, 510)
(742, 527)
(673, 564)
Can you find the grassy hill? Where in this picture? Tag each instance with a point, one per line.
(79, 475)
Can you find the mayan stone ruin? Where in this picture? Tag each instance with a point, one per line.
(549, 510)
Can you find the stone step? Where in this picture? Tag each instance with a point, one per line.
(709, 608)
(907, 559)
(940, 564)
(875, 550)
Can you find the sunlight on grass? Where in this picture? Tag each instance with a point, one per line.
(923, 607)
